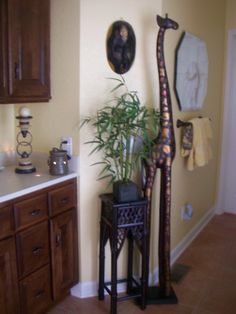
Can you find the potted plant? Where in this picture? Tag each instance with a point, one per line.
(124, 131)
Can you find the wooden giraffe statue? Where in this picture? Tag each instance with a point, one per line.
(161, 156)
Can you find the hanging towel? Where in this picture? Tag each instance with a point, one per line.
(201, 151)
(187, 139)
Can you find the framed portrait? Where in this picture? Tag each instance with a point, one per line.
(191, 72)
(120, 46)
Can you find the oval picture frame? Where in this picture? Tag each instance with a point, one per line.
(120, 46)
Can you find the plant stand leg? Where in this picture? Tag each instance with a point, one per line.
(103, 240)
(130, 263)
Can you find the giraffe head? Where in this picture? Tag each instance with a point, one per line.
(166, 23)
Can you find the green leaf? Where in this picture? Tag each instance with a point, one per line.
(121, 117)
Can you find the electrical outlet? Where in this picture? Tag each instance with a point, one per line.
(187, 212)
(66, 144)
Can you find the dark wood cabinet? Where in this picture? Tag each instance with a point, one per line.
(32, 249)
(9, 299)
(3, 51)
(64, 253)
(38, 249)
(24, 51)
(35, 292)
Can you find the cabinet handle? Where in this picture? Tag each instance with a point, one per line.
(35, 212)
(39, 294)
(58, 240)
(17, 71)
(65, 200)
(37, 250)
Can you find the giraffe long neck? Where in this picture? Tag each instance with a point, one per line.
(166, 123)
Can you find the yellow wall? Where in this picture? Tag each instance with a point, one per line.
(204, 19)
(197, 187)
(230, 14)
(78, 64)
(60, 116)
(7, 129)
(96, 17)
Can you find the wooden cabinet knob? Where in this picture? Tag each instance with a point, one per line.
(17, 71)
(37, 250)
(39, 294)
(58, 240)
(35, 212)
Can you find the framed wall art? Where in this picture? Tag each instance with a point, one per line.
(120, 46)
(191, 72)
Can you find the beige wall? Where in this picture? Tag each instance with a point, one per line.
(7, 129)
(85, 68)
(96, 17)
(230, 25)
(230, 14)
(199, 186)
(60, 116)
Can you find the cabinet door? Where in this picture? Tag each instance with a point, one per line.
(28, 35)
(64, 248)
(35, 292)
(6, 222)
(9, 299)
(3, 51)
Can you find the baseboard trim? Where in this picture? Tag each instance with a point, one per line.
(89, 289)
(187, 240)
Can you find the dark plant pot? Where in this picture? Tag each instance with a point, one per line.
(125, 191)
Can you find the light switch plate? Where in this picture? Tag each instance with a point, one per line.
(68, 145)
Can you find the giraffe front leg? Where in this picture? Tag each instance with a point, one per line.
(164, 232)
(148, 181)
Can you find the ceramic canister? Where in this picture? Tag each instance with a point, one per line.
(58, 162)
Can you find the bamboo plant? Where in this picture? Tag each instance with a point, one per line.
(124, 131)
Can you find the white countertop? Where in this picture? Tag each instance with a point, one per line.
(13, 185)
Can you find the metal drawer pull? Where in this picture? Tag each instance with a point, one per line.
(39, 294)
(35, 212)
(17, 71)
(65, 200)
(37, 250)
(58, 240)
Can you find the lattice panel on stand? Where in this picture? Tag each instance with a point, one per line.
(130, 215)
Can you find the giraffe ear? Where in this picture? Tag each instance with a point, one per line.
(160, 21)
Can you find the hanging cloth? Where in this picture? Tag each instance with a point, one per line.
(187, 139)
(201, 151)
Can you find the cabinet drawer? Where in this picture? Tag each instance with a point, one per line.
(30, 211)
(62, 199)
(32, 248)
(6, 222)
(35, 292)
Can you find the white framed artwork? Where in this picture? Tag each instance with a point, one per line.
(191, 72)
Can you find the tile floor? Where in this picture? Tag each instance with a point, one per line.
(209, 287)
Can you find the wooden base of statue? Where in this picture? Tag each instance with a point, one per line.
(155, 296)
